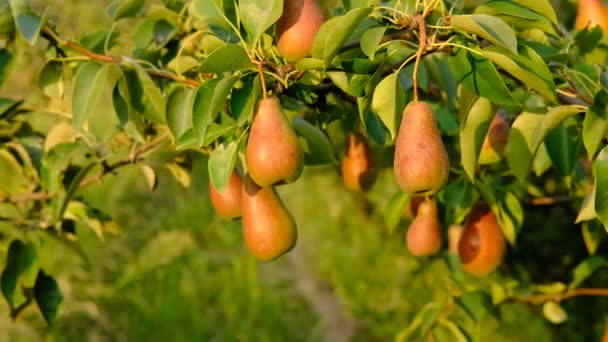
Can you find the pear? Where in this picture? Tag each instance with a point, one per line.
(592, 13)
(358, 171)
(297, 27)
(423, 236)
(482, 245)
(274, 153)
(493, 147)
(269, 229)
(412, 207)
(228, 204)
(421, 162)
(454, 234)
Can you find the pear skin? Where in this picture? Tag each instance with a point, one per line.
(493, 148)
(591, 12)
(228, 204)
(423, 237)
(482, 244)
(274, 153)
(297, 27)
(269, 229)
(421, 162)
(358, 171)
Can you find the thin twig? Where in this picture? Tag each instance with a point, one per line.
(598, 292)
(548, 200)
(421, 47)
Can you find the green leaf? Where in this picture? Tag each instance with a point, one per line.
(12, 176)
(334, 32)
(600, 170)
(563, 144)
(476, 304)
(585, 269)
(230, 57)
(520, 16)
(420, 325)
(459, 197)
(480, 75)
(187, 140)
(352, 84)
(389, 101)
(89, 84)
(221, 164)
(510, 215)
(126, 8)
(244, 99)
(310, 63)
(150, 102)
(457, 332)
(6, 60)
(179, 110)
(543, 7)
(54, 164)
(8, 106)
(28, 23)
(394, 209)
(210, 99)
(595, 125)
(491, 28)
(318, 150)
(59, 206)
(473, 133)
(21, 257)
(259, 15)
(50, 79)
(587, 210)
(593, 234)
(207, 9)
(554, 312)
(370, 40)
(48, 296)
(124, 105)
(527, 67)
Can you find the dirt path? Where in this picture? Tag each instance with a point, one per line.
(338, 328)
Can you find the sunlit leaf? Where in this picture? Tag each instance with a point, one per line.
(318, 150)
(488, 27)
(259, 15)
(473, 133)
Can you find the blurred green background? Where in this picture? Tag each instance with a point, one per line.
(174, 272)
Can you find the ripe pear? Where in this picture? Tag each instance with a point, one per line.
(228, 204)
(423, 236)
(493, 147)
(412, 207)
(297, 27)
(421, 162)
(358, 171)
(591, 12)
(269, 229)
(482, 245)
(274, 153)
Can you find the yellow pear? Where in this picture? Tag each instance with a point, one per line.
(421, 162)
(269, 229)
(297, 27)
(482, 244)
(493, 147)
(228, 204)
(358, 171)
(424, 236)
(274, 153)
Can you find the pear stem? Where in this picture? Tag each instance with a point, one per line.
(421, 47)
(262, 77)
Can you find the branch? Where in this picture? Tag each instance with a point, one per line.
(599, 292)
(48, 34)
(548, 200)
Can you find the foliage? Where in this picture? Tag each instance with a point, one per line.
(186, 78)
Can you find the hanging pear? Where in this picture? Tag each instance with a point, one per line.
(482, 244)
(424, 236)
(493, 147)
(273, 150)
(297, 27)
(268, 228)
(358, 171)
(421, 162)
(228, 204)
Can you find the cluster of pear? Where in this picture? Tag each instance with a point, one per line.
(358, 169)
(273, 156)
(421, 168)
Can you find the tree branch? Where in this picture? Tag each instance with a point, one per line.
(598, 292)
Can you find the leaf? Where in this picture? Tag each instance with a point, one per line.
(476, 304)
(89, 84)
(585, 269)
(519, 16)
(587, 211)
(187, 140)
(520, 147)
(480, 75)
(389, 101)
(6, 60)
(8, 106)
(394, 209)
(593, 234)
(180, 174)
(459, 197)
(207, 10)
(54, 164)
(457, 332)
(21, 257)
(421, 323)
(60, 206)
(473, 133)
(543, 7)
(28, 23)
(12, 176)
(554, 312)
(491, 28)
(244, 99)
(563, 146)
(600, 170)
(595, 125)
(149, 175)
(50, 79)
(150, 100)
(318, 150)
(259, 15)
(221, 164)
(352, 84)
(126, 8)
(230, 57)
(179, 110)
(48, 296)
(210, 99)
(370, 40)
(510, 216)
(334, 32)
